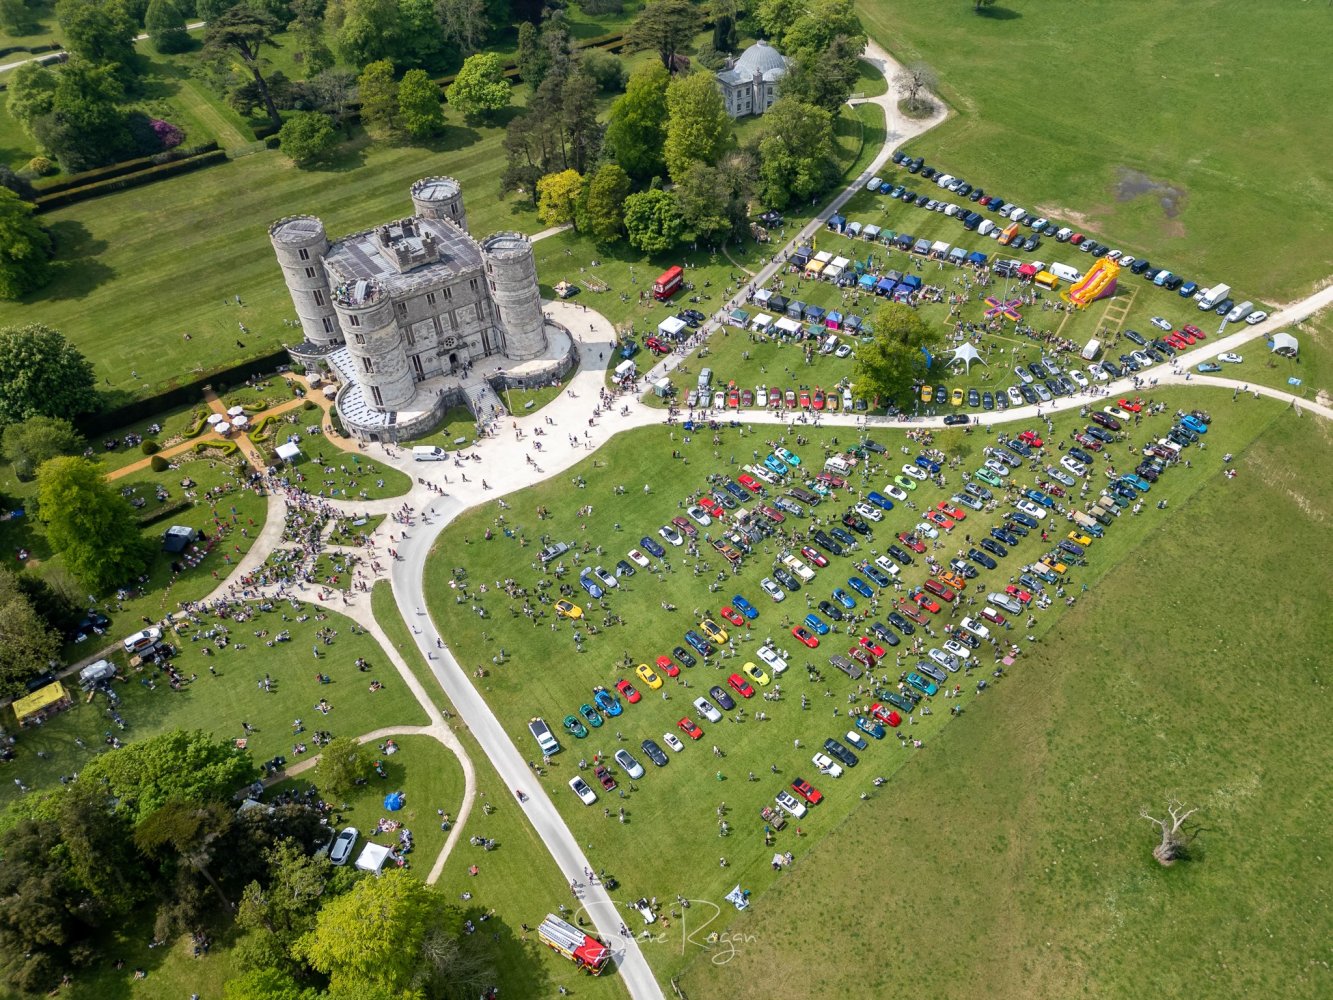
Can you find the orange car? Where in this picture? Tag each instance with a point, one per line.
(953, 579)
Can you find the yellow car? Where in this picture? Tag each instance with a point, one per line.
(927, 393)
(1055, 566)
(755, 674)
(957, 398)
(648, 677)
(568, 609)
(1079, 539)
(710, 628)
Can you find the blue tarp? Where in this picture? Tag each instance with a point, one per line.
(837, 222)
(867, 281)
(911, 281)
(796, 309)
(851, 323)
(976, 257)
(885, 286)
(814, 313)
(394, 801)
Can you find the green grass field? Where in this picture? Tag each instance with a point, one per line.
(1313, 364)
(1190, 670)
(1052, 116)
(673, 813)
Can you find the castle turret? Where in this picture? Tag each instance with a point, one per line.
(300, 244)
(439, 198)
(365, 313)
(511, 271)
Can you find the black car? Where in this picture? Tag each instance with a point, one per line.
(786, 579)
(831, 610)
(821, 539)
(724, 701)
(685, 318)
(1014, 528)
(962, 566)
(987, 401)
(653, 548)
(1099, 434)
(1027, 521)
(901, 623)
(953, 419)
(1139, 266)
(835, 749)
(1008, 538)
(874, 446)
(93, 623)
(724, 498)
(1154, 353)
(973, 397)
(1106, 420)
(929, 173)
(885, 634)
(899, 156)
(1152, 273)
(1147, 472)
(855, 523)
(900, 555)
(924, 200)
(843, 536)
(1037, 370)
(684, 656)
(993, 547)
(1053, 387)
(1135, 336)
(964, 190)
(1078, 454)
(1050, 230)
(654, 753)
(623, 568)
(976, 194)
(1128, 363)
(1031, 243)
(1111, 368)
(693, 314)
(981, 559)
(1028, 393)
(736, 490)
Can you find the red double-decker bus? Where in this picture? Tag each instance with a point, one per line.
(668, 283)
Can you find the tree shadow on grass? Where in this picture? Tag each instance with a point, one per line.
(75, 272)
(512, 965)
(997, 13)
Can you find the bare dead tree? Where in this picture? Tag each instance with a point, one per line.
(1174, 837)
(913, 81)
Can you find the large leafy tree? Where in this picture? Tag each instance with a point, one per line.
(466, 23)
(307, 136)
(825, 77)
(423, 41)
(636, 130)
(368, 30)
(378, 91)
(27, 644)
(480, 88)
(86, 127)
(419, 110)
(820, 22)
(189, 833)
(697, 124)
(25, 248)
(887, 366)
(165, 23)
(603, 208)
(558, 196)
(90, 524)
(704, 196)
(268, 984)
(101, 32)
(795, 152)
(31, 442)
(284, 906)
(243, 32)
(666, 27)
(31, 94)
(653, 221)
(343, 762)
(42, 374)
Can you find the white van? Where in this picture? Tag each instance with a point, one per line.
(705, 379)
(1240, 312)
(1064, 272)
(985, 228)
(143, 640)
(428, 453)
(838, 466)
(626, 369)
(541, 732)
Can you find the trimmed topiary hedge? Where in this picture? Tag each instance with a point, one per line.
(120, 183)
(159, 464)
(150, 447)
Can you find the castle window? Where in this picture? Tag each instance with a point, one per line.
(477, 307)
(492, 283)
(416, 365)
(319, 297)
(328, 324)
(368, 366)
(359, 338)
(448, 293)
(490, 268)
(402, 308)
(375, 395)
(473, 283)
(411, 337)
(430, 298)
(354, 320)
(305, 254)
(309, 272)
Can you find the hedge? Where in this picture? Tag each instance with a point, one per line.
(226, 447)
(122, 168)
(164, 512)
(158, 463)
(99, 188)
(35, 50)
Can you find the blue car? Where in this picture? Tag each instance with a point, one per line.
(1037, 496)
(589, 584)
(1018, 517)
(653, 548)
(929, 464)
(744, 607)
(607, 702)
(817, 624)
(842, 536)
(921, 684)
(876, 577)
(774, 463)
(880, 500)
(701, 645)
(1194, 424)
(870, 727)
(843, 598)
(860, 586)
(885, 634)
(735, 489)
(1138, 482)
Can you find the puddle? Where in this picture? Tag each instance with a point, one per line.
(1133, 183)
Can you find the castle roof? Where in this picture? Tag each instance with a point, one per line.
(759, 58)
(445, 252)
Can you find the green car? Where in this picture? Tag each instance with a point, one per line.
(575, 728)
(904, 482)
(988, 477)
(590, 713)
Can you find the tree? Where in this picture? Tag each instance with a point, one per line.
(913, 81)
(307, 28)
(979, 6)
(267, 984)
(529, 57)
(825, 77)
(607, 71)
(90, 523)
(18, 18)
(557, 197)
(370, 938)
(102, 33)
(332, 92)
(242, 32)
(704, 200)
(285, 907)
(378, 91)
(795, 152)
(603, 208)
(86, 127)
(369, 31)
(165, 24)
(887, 366)
(776, 16)
(724, 33)
(525, 152)
(307, 136)
(479, 89)
(53, 604)
(636, 130)
(343, 763)
(26, 643)
(581, 133)
(423, 39)
(42, 374)
(665, 26)
(653, 221)
(189, 831)
(820, 22)
(31, 442)
(419, 110)
(465, 23)
(1175, 839)
(25, 248)
(31, 94)
(697, 124)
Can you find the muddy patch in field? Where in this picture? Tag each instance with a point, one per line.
(1131, 184)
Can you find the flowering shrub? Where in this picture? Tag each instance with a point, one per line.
(168, 134)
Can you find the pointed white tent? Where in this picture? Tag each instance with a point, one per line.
(966, 353)
(1285, 344)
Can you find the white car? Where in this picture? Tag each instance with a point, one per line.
(1024, 375)
(583, 790)
(843, 351)
(895, 493)
(957, 649)
(914, 471)
(999, 468)
(1142, 357)
(1114, 254)
(670, 535)
(1161, 324)
(607, 580)
(699, 515)
(870, 512)
(887, 565)
(772, 658)
(790, 804)
(1079, 378)
(1116, 412)
(773, 590)
(826, 765)
(761, 397)
(628, 764)
(1097, 372)
(673, 742)
(1075, 467)
(341, 851)
(1230, 358)
(975, 627)
(857, 740)
(1256, 317)
(803, 572)
(926, 530)
(874, 183)
(1126, 260)
(638, 558)
(1015, 397)
(762, 474)
(707, 709)
(1031, 509)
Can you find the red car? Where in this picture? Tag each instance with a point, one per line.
(912, 542)
(1193, 331)
(804, 399)
(774, 515)
(807, 791)
(993, 616)
(1018, 592)
(1179, 341)
(749, 482)
(950, 511)
(935, 517)
(874, 648)
(830, 480)
(1092, 444)
(775, 398)
(924, 600)
(862, 657)
(885, 714)
(818, 401)
(814, 555)
(939, 590)
(789, 399)
(687, 726)
(711, 507)
(733, 399)
(668, 666)
(732, 615)
(740, 685)
(1129, 404)
(1030, 438)
(804, 635)
(685, 527)
(656, 346)
(627, 691)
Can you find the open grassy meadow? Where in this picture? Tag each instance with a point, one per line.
(1312, 366)
(674, 815)
(1181, 135)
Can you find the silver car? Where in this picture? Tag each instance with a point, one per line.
(628, 764)
(932, 671)
(945, 660)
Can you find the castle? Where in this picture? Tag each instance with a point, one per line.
(406, 303)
